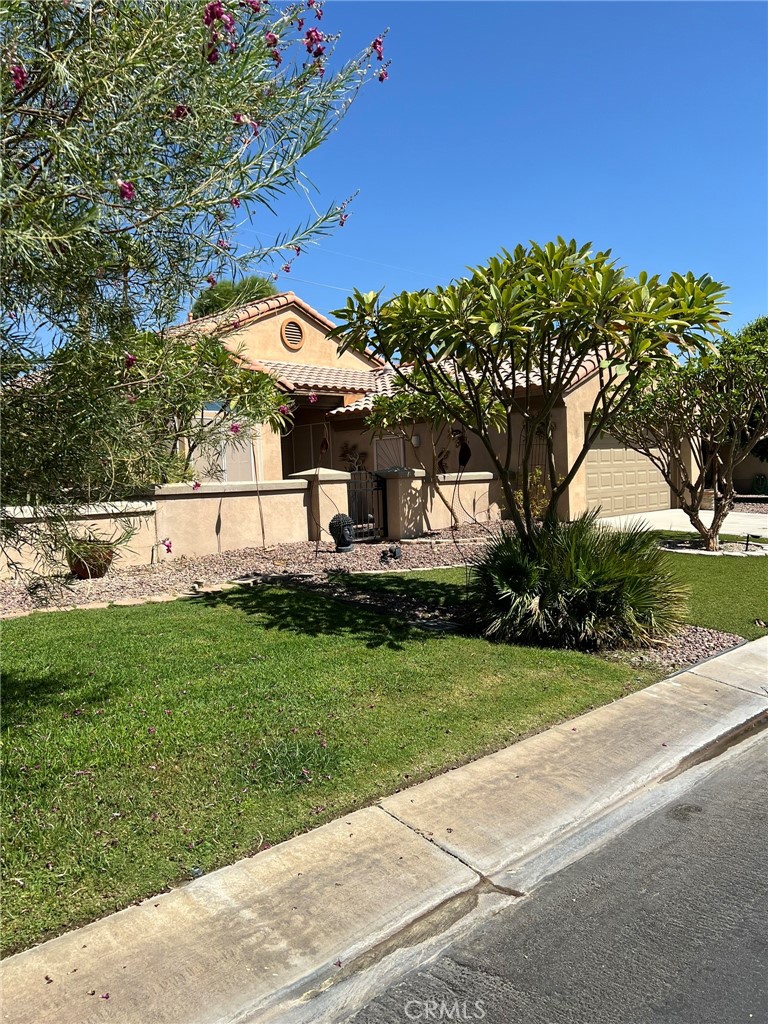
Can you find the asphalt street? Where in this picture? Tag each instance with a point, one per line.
(668, 922)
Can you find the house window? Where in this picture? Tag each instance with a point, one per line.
(292, 334)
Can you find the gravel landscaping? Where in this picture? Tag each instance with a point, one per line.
(320, 567)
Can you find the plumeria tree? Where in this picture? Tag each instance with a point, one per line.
(137, 137)
(698, 419)
(501, 349)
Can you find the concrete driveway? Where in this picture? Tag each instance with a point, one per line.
(737, 523)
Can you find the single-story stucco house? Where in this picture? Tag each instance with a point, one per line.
(331, 393)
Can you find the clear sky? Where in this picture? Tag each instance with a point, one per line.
(640, 126)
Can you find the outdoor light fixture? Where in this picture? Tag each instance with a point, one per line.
(416, 440)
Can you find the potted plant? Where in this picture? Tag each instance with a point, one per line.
(89, 557)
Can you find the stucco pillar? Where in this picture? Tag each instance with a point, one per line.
(327, 495)
(405, 502)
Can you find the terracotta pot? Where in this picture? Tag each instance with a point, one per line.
(90, 561)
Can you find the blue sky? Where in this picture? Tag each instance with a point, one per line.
(641, 127)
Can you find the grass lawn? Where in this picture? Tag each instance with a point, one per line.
(143, 745)
(726, 593)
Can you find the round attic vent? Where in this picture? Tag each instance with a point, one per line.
(292, 335)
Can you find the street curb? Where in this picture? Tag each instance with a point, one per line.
(250, 941)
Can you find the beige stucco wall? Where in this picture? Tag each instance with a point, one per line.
(414, 507)
(103, 522)
(262, 340)
(227, 517)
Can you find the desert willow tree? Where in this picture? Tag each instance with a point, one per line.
(138, 135)
(505, 346)
(698, 419)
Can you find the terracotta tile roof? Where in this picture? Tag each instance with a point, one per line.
(334, 379)
(384, 380)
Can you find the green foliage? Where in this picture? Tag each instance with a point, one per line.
(711, 409)
(229, 295)
(584, 586)
(519, 333)
(125, 421)
(135, 142)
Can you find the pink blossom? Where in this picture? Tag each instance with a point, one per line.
(377, 47)
(213, 12)
(312, 38)
(151, 730)
(300, 24)
(228, 22)
(223, 244)
(19, 76)
(166, 542)
(255, 5)
(297, 250)
(130, 360)
(271, 39)
(180, 111)
(239, 118)
(343, 219)
(383, 76)
(196, 485)
(235, 428)
(212, 55)
(286, 268)
(284, 410)
(211, 280)
(127, 191)
(312, 397)
(275, 54)
(234, 202)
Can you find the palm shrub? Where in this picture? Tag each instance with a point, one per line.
(577, 585)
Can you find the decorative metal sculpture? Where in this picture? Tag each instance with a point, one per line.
(343, 531)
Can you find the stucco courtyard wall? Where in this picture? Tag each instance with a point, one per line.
(414, 507)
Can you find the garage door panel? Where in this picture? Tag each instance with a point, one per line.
(622, 481)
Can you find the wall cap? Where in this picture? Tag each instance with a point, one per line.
(326, 476)
(118, 509)
(467, 478)
(401, 473)
(210, 490)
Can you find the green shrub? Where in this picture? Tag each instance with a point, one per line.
(587, 586)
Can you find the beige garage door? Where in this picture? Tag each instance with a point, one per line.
(622, 481)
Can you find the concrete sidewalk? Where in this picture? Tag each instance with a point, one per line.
(242, 942)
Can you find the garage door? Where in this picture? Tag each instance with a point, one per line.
(622, 481)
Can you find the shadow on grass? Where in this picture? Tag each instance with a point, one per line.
(308, 613)
(427, 593)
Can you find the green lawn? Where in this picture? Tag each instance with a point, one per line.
(143, 745)
(726, 593)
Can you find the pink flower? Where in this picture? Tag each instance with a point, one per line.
(271, 39)
(130, 360)
(286, 268)
(167, 545)
(312, 397)
(239, 118)
(300, 24)
(276, 57)
(377, 47)
(234, 202)
(284, 410)
(343, 219)
(151, 730)
(223, 244)
(196, 485)
(319, 13)
(127, 191)
(180, 111)
(255, 5)
(228, 22)
(312, 39)
(383, 76)
(212, 55)
(318, 51)
(213, 12)
(297, 250)
(211, 280)
(19, 76)
(235, 428)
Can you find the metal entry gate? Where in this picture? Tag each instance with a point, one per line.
(368, 505)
